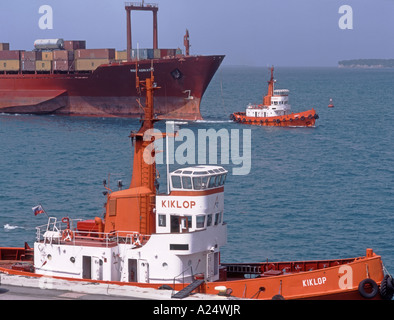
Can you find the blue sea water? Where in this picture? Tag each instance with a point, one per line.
(312, 193)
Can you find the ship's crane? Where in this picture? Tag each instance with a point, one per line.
(141, 6)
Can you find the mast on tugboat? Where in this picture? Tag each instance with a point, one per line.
(132, 209)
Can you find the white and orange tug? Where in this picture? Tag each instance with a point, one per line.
(275, 110)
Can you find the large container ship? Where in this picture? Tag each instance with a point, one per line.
(63, 77)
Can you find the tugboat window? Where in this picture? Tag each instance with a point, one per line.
(174, 224)
(217, 218)
(187, 182)
(200, 183)
(212, 182)
(176, 182)
(200, 221)
(197, 183)
(209, 220)
(189, 221)
(162, 220)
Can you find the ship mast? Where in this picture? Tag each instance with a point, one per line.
(144, 174)
(267, 98)
(131, 210)
(186, 43)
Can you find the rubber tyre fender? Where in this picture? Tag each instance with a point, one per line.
(386, 288)
(365, 294)
(278, 297)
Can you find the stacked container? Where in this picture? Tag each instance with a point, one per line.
(63, 60)
(121, 56)
(142, 54)
(4, 46)
(90, 59)
(71, 45)
(10, 60)
(28, 60)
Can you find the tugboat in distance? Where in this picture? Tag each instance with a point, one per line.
(275, 110)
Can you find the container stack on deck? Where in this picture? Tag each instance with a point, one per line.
(90, 59)
(70, 56)
(29, 60)
(63, 60)
(9, 59)
(45, 64)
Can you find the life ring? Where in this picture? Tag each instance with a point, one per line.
(67, 235)
(374, 288)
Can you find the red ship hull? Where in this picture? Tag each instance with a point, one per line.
(110, 90)
(300, 119)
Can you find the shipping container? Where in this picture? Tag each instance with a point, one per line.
(157, 53)
(10, 55)
(31, 55)
(89, 64)
(28, 65)
(43, 65)
(9, 65)
(167, 53)
(142, 54)
(121, 55)
(95, 54)
(47, 55)
(63, 55)
(63, 65)
(72, 45)
(4, 46)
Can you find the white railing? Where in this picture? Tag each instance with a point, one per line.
(59, 232)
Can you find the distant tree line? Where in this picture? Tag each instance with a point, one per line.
(367, 63)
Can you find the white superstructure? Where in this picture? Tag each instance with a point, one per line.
(279, 106)
(189, 233)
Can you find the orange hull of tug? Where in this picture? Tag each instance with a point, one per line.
(301, 119)
(313, 280)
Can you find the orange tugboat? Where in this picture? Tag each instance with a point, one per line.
(275, 111)
(149, 241)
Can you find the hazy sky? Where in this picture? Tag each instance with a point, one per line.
(248, 32)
